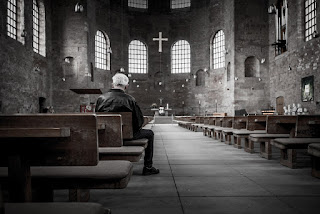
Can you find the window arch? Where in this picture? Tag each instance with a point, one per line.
(141, 4)
(252, 67)
(102, 51)
(181, 57)
(176, 4)
(310, 18)
(15, 20)
(138, 57)
(218, 47)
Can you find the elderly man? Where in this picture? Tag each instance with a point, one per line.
(116, 100)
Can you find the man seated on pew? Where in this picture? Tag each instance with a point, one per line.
(116, 100)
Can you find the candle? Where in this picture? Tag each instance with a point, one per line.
(199, 102)
(167, 105)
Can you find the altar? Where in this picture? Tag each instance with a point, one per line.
(161, 111)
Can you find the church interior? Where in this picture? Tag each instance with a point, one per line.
(193, 61)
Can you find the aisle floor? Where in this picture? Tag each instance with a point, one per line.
(201, 175)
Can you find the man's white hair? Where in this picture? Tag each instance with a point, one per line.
(120, 80)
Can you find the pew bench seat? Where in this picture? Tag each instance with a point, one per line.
(139, 142)
(227, 133)
(218, 132)
(240, 134)
(264, 140)
(105, 175)
(288, 147)
(211, 132)
(195, 126)
(55, 208)
(314, 151)
(130, 153)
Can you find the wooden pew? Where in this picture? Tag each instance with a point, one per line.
(204, 126)
(278, 126)
(63, 150)
(111, 140)
(307, 131)
(240, 134)
(213, 123)
(314, 151)
(238, 122)
(226, 124)
(198, 122)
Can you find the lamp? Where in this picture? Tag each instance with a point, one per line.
(24, 33)
(236, 78)
(272, 9)
(68, 59)
(109, 50)
(263, 60)
(78, 8)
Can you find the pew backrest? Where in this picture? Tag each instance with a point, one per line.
(79, 147)
(110, 130)
(281, 124)
(256, 122)
(239, 122)
(308, 126)
(227, 122)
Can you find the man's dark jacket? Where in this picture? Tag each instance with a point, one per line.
(115, 100)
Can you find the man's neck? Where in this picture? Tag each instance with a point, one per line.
(117, 87)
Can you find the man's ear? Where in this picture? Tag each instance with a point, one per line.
(126, 87)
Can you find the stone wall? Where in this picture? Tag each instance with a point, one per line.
(301, 60)
(25, 75)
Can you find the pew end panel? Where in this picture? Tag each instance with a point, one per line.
(308, 126)
(110, 130)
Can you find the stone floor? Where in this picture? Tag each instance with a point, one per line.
(201, 175)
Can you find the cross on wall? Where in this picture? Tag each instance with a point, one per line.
(160, 39)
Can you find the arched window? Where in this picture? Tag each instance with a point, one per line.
(36, 27)
(102, 51)
(218, 48)
(142, 4)
(15, 20)
(138, 57)
(252, 67)
(180, 57)
(176, 4)
(281, 26)
(310, 18)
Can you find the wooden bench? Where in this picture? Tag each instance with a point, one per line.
(68, 159)
(111, 139)
(198, 122)
(306, 131)
(238, 122)
(226, 124)
(314, 151)
(278, 126)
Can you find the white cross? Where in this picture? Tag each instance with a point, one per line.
(160, 39)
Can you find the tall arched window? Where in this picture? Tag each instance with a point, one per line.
(218, 48)
(102, 51)
(36, 27)
(15, 20)
(281, 17)
(310, 7)
(180, 57)
(138, 57)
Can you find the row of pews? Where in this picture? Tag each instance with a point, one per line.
(289, 134)
(41, 153)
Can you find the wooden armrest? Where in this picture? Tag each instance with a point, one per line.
(34, 132)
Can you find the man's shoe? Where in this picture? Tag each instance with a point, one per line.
(150, 171)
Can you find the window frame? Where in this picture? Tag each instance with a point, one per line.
(218, 51)
(186, 59)
(175, 3)
(36, 26)
(140, 54)
(101, 50)
(309, 26)
(12, 15)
